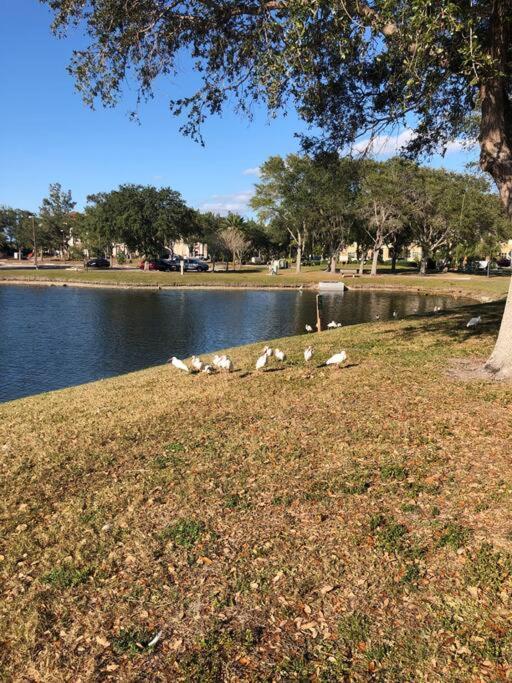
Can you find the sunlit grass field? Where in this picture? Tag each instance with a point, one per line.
(305, 523)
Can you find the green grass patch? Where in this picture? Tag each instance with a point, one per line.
(67, 576)
(185, 532)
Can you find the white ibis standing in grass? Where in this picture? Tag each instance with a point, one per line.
(308, 353)
(395, 314)
(337, 359)
(332, 325)
(268, 351)
(280, 355)
(177, 363)
(218, 360)
(474, 322)
(197, 363)
(261, 362)
(309, 328)
(226, 363)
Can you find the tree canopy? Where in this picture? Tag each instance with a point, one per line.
(146, 219)
(335, 201)
(349, 67)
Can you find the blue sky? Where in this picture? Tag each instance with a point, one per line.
(48, 135)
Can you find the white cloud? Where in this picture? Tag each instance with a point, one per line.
(459, 146)
(390, 145)
(238, 202)
(384, 145)
(252, 171)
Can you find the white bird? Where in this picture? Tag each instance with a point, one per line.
(474, 322)
(197, 363)
(218, 360)
(179, 364)
(437, 309)
(261, 362)
(308, 353)
(208, 369)
(280, 355)
(337, 359)
(301, 288)
(226, 363)
(268, 351)
(377, 317)
(332, 325)
(338, 324)
(309, 328)
(155, 640)
(395, 314)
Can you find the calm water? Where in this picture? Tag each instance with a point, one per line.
(54, 337)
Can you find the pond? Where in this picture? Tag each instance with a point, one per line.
(55, 337)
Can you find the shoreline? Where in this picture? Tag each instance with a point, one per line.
(453, 291)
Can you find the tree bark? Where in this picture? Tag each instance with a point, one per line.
(375, 259)
(500, 362)
(496, 158)
(361, 265)
(424, 264)
(298, 263)
(332, 267)
(393, 261)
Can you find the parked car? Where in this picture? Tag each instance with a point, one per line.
(160, 264)
(98, 263)
(194, 264)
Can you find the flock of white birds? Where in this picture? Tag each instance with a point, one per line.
(225, 364)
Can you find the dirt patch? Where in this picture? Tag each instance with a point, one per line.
(472, 369)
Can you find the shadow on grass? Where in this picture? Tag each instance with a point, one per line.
(452, 324)
(343, 367)
(243, 271)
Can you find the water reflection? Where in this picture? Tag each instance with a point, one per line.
(53, 337)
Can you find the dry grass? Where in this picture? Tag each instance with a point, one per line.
(297, 524)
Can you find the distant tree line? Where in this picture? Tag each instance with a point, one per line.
(328, 203)
(317, 206)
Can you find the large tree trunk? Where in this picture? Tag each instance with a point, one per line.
(332, 266)
(375, 260)
(424, 263)
(496, 157)
(393, 261)
(361, 265)
(500, 362)
(298, 263)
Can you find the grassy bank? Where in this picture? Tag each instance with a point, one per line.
(495, 287)
(305, 523)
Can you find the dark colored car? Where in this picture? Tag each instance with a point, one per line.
(161, 264)
(194, 264)
(98, 263)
